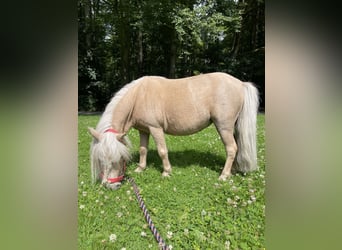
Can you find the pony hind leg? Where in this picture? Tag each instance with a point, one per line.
(227, 137)
(159, 138)
(144, 139)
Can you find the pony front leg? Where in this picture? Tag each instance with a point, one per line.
(144, 138)
(159, 138)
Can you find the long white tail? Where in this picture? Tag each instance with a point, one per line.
(245, 131)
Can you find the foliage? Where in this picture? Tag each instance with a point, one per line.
(191, 209)
(121, 40)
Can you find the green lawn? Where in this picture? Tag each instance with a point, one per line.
(191, 209)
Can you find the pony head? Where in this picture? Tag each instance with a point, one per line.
(109, 153)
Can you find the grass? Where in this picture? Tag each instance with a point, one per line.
(191, 209)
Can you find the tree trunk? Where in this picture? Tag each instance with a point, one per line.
(124, 38)
(236, 44)
(173, 55)
(140, 53)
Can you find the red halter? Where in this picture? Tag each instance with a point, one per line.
(121, 177)
(111, 130)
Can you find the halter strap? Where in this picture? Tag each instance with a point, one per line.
(117, 179)
(111, 130)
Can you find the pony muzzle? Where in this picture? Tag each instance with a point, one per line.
(113, 186)
(113, 183)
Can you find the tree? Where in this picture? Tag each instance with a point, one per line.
(121, 40)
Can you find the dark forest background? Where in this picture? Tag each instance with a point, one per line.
(122, 40)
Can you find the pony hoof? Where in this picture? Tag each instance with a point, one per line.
(139, 169)
(223, 177)
(166, 174)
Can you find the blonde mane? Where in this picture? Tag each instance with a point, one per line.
(107, 116)
(108, 151)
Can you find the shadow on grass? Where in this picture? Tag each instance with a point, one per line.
(88, 113)
(184, 159)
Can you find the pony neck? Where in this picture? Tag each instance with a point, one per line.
(118, 113)
(122, 113)
(121, 121)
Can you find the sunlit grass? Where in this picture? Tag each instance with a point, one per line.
(191, 209)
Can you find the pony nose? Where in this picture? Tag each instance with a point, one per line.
(115, 185)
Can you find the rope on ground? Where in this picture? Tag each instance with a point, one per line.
(148, 219)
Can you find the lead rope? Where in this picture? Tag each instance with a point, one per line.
(147, 215)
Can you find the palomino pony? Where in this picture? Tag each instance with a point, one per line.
(156, 105)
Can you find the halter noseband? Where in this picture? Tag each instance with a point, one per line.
(121, 177)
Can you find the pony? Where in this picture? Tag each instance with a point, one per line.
(156, 105)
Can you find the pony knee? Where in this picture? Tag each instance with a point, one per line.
(143, 150)
(162, 153)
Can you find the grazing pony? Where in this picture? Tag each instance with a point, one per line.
(156, 105)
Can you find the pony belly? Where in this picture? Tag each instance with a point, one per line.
(186, 128)
(181, 129)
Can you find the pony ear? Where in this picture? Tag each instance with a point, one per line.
(121, 138)
(94, 133)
